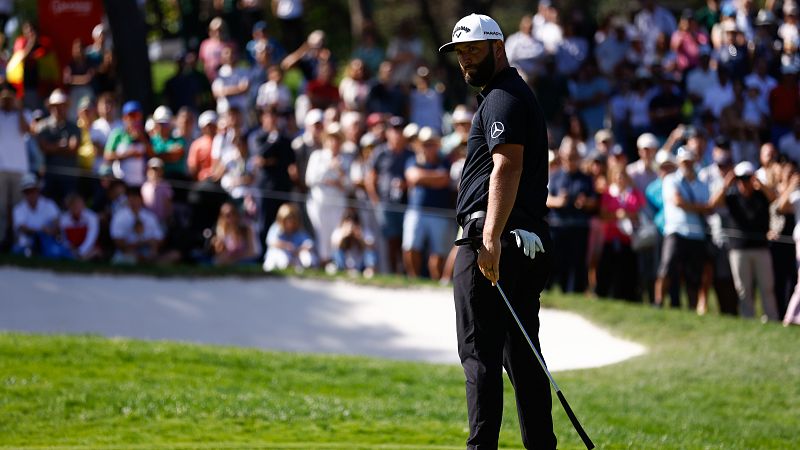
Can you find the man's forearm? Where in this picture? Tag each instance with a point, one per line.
(503, 185)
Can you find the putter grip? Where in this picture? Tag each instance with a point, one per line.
(581, 432)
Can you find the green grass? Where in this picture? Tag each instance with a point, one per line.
(706, 382)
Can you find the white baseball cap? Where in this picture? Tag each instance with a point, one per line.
(162, 114)
(744, 169)
(57, 97)
(647, 140)
(206, 118)
(684, 154)
(474, 27)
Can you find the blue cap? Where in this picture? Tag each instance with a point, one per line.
(259, 26)
(131, 107)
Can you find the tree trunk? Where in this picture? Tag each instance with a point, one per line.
(130, 50)
(357, 19)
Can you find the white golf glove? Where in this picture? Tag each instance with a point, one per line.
(529, 242)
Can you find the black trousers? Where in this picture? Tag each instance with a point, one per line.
(489, 340)
(571, 271)
(617, 273)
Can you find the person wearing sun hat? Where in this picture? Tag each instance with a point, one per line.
(750, 259)
(59, 139)
(168, 147)
(128, 146)
(686, 203)
(501, 206)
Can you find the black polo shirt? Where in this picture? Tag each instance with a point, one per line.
(508, 113)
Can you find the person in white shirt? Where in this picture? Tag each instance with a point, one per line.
(327, 177)
(135, 231)
(720, 95)
(641, 171)
(35, 218)
(274, 92)
(525, 53)
(611, 47)
(702, 78)
(232, 85)
(761, 79)
(653, 20)
(13, 154)
(789, 144)
(79, 228)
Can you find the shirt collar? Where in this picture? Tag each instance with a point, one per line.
(496, 80)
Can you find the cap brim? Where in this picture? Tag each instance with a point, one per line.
(451, 46)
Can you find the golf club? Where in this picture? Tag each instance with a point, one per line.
(572, 418)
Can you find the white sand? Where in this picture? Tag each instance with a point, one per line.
(277, 314)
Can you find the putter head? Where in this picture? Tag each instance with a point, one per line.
(474, 242)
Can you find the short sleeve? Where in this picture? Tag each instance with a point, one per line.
(668, 189)
(505, 121)
(794, 199)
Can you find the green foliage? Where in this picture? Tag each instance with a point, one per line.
(706, 382)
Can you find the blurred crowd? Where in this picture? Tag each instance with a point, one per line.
(675, 140)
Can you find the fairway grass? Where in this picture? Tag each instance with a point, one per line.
(705, 383)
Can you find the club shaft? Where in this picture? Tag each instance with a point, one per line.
(570, 414)
(528, 338)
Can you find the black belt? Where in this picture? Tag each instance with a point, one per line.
(473, 216)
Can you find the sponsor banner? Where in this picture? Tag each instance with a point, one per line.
(66, 20)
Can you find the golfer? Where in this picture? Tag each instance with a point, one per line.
(501, 201)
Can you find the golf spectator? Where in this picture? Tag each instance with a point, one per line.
(13, 156)
(80, 228)
(386, 96)
(105, 122)
(231, 86)
(354, 246)
(328, 181)
(641, 171)
(386, 186)
(790, 199)
(210, 53)
(189, 87)
(234, 241)
(168, 147)
(305, 144)
(572, 200)
(77, 78)
(620, 207)
(789, 144)
(462, 118)
(274, 92)
(288, 244)
(322, 92)
(683, 254)
(135, 231)
(425, 228)
(200, 163)
(127, 147)
(273, 164)
(426, 104)
(525, 52)
(718, 220)
(749, 255)
(58, 139)
(157, 194)
(35, 220)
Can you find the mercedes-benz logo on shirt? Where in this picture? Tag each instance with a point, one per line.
(497, 129)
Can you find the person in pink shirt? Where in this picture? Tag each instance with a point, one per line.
(619, 210)
(210, 52)
(687, 40)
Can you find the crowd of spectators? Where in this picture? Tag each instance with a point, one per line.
(674, 165)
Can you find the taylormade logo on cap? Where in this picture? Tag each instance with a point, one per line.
(474, 27)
